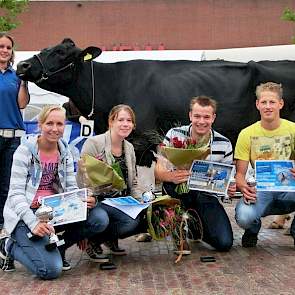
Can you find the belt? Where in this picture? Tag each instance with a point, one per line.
(10, 133)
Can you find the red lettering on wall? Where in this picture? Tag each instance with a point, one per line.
(133, 47)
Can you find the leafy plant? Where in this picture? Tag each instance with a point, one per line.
(289, 15)
(9, 10)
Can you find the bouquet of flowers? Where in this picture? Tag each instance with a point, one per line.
(100, 176)
(161, 217)
(181, 153)
(166, 218)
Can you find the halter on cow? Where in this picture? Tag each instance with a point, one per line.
(46, 73)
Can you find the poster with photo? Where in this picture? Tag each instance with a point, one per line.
(210, 176)
(274, 176)
(67, 207)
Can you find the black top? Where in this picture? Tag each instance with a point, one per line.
(122, 163)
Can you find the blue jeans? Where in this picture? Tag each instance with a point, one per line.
(267, 203)
(217, 230)
(33, 255)
(7, 149)
(48, 264)
(120, 225)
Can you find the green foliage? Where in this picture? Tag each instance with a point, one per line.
(289, 15)
(9, 10)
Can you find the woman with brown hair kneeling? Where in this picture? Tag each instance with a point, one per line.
(111, 147)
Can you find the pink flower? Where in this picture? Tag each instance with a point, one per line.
(169, 213)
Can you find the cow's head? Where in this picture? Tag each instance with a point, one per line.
(55, 65)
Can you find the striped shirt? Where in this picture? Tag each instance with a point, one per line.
(220, 147)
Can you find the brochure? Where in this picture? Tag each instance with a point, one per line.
(212, 177)
(125, 201)
(128, 205)
(274, 175)
(67, 207)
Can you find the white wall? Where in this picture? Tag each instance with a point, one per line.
(273, 53)
(114, 56)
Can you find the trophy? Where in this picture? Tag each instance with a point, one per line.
(45, 215)
(227, 198)
(251, 181)
(148, 196)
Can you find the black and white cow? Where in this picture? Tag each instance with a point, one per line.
(158, 91)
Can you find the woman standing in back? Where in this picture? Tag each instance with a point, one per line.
(13, 97)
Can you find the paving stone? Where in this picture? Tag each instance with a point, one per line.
(149, 269)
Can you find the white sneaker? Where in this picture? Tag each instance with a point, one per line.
(144, 237)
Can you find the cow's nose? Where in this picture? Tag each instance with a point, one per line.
(23, 66)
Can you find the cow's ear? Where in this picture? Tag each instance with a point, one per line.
(90, 53)
(68, 40)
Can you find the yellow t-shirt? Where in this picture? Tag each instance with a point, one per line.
(257, 143)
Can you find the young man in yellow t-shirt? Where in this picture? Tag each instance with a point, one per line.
(271, 138)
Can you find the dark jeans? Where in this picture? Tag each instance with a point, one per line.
(217, 230)
(97, 222)
(120, 225)
(7, 149)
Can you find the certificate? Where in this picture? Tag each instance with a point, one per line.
(67, 207)
(274, 176)
(212, 177)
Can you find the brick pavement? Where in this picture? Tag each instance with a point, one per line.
(149, 269)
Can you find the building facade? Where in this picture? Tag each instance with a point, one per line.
(155, 24)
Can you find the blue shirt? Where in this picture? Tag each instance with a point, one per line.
(11, 117)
